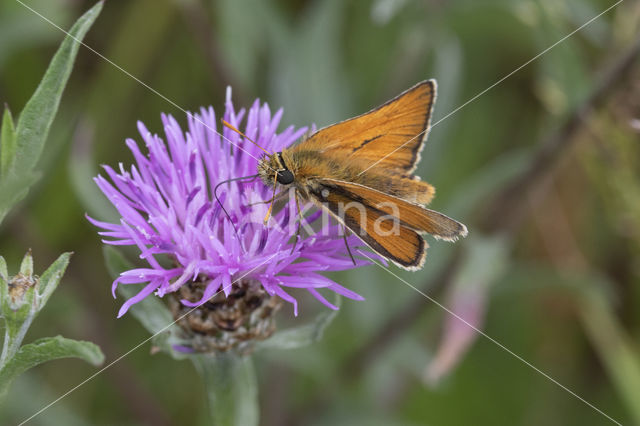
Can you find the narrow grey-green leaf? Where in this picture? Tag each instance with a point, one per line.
(26, 267)
(115, 261)
(4, 272)
(4, 284)
(7, 141)
(51, 278)
(39, 112)
(304, 335)
(150, 312)
(617, 350)
(13, 189)
(47, 349)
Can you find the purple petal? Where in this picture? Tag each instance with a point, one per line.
(147, 290)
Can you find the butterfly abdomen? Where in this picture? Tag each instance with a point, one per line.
(309, 165)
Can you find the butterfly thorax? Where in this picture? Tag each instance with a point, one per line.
(304, 168)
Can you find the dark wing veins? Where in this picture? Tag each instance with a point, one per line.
(366, 141)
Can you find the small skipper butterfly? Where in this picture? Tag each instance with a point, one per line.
(361, 171)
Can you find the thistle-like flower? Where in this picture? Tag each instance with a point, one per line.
(200, 248)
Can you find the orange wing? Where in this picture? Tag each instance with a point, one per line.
(410, 215)
(390, 136)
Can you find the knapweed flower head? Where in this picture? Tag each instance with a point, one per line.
(168, 210)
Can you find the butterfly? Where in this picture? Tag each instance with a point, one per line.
(361, 171)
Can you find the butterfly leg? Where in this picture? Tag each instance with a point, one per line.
(268, 215)
(300, 219)
(344, 236)
(276, 197)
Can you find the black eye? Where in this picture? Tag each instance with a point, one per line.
(284, 177)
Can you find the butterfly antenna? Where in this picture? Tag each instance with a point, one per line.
(232, 127)
(215, 194)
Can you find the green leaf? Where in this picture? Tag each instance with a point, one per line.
(150, 312)
(39, 112)
(231, 388)
(7, 141)
(615, 348)
(51, 278)
(26, 267)
(4, 286)
(4, 272)
(13, 189)
(304, 335)
(115, 261)
(22, 146)
(47, 349)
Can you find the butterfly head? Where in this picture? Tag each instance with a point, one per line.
(273, 168)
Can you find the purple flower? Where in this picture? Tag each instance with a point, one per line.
(169, 212)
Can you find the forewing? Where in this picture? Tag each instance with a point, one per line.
(389, 137)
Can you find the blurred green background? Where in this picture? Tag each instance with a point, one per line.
(560, 287)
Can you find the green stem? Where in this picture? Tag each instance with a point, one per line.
(231, 388)
(12, 343)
